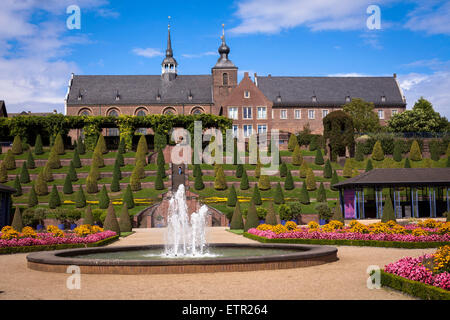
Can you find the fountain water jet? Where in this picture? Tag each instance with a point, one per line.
(185, 237)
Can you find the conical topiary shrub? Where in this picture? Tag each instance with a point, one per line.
(80, 198)
(388, 210)
(97, 159)
(293, 142)
(58, 146)
(258, 170)
(236, 221)
(41, 185)
(3, 172)
(415, 154)
(68, 188)
(32, 197)
(252, 220)
(140, 169)
(283, 170)
(94, 173)
(304, 169)
(377, 152)
(256, 196)
(115, 184)
(289, 181)
(407, 163)
(88, 217)
(359, 153)
(232, 197)
(198, 184)
(397, 155)
(271, 217)
(17, 223)
(119, 160)
(348, 168)
(244, 181)
(337, 214)
(111, 220)
(24, 175)
(159, 183)
(53, 159)
(38, 148)
(30, 160)
(124, 220)
(47, 173)
(103, 198)
(319, 158)
(264, 182)
(239, 170)
(310, 180)
(279, 196)
(17, 148)
(76, 159)
(327, 170)
(101, 145)
(197, 170)
(313, 145)
(434, 152)
(55, 200)
(91, 184)
(10, 160)
(321, 193)
(219, 182)
(304, 194)
(18, 187)
(121, 148)
(297, 158)
(334, 180)
(369, 165)
(72, 172)
(135, 181)
(81, 148)
(128, 197)
(142, 146)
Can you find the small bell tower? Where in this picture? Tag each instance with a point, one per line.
(169, 65)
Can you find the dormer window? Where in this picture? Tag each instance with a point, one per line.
(348, 99)
(80, 96)
(314, 99)
(278, 98)
(190, 96)
(383, 98)
(246, 94)
(117, 95)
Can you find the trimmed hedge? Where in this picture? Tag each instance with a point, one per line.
(414, 288)
(25, 249)
(357, 243)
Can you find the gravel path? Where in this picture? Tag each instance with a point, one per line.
(344, 279)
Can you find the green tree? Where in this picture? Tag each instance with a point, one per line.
(407, 163)
(252, 220)
(97, 159)
(197, 170)
(58, 146)
(142, 146)
(32, 198)
(67, 189)
(239, 170)
(18, 187)
(55, 200)
(232, 197)
(415, 154)
(38, 148)
(117, 175)
(198, 184)
(41, 185)
(310, 180)
(258, 170)
(289, 181)
(337, 214)
(304, 194)
(271, 217)
(101, 145)
(236, 221)
(80, 146)
(111, 220)
(293, 142)
(363, 115)
(103, 198)
(10, 160)
(121, 148)
(128, 197)
(279, 196)
(30, 161)
(94, 173)
(24, 175)
(347, 172)
(304, 169)
(72, 172)
(135, 181)
(125, 220)
(388, 210)
(397, 155)
(119, 160)
(80, 198)
(159, 183)
(377, 152)
(91, 184)
(313, 146)
(76, 159)
(17, 147)
(319, 158)
(219, 182)
(3, 172)
(334, 180)
(297, 158)
(17, 223)
(422, 118)
(264, 182)
(244, 181)
(256, 197)
(321, 193)
(88, 217)
(283, 170)
(369, 165)
(359, 154)
(434, 152)
(53, 160)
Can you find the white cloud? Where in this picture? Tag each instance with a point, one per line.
(432, 17)
(199, 55)
(272, 16)
(148, 52)
(108, 13)
(433, 87)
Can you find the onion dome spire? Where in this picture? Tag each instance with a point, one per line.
(224, 51)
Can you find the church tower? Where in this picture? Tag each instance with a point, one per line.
(169, 64)
(224, 75)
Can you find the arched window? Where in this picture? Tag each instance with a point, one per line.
(168, 111)
(197, 110)
(141, 113)
(225, 79)
(113, 132)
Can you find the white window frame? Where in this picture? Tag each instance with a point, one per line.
(261, 116)
(235, 129)
(313, 113)
(281, 114)
(299, 113)
(235, 110)
(382, 114)
(261, 125)
(247, 94)
(394, 112)
(245, 114)
(247, 132)
(323, 111)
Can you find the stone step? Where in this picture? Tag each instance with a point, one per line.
(81, 175)
(76, 187)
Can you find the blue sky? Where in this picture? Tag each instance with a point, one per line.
(281, 37)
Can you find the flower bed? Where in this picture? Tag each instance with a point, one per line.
(416, 275)
(28, 240)
(377, 234)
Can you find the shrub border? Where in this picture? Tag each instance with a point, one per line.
(25, 249)
(413, 288)
(359, 243)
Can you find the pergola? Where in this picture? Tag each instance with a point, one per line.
(416, 192)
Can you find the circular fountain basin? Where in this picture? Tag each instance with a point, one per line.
(151, 260)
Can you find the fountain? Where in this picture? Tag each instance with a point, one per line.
(185, 251)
